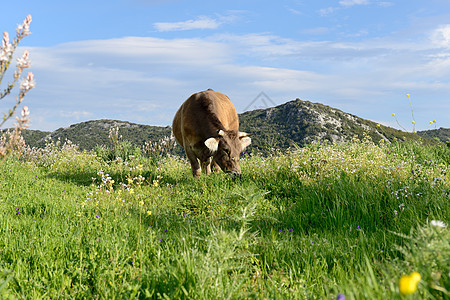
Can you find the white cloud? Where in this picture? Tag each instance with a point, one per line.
(201, 22)
(441, 36)
(385, 4)
(353, 2)
(326, 11)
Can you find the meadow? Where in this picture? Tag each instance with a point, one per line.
(319, 222)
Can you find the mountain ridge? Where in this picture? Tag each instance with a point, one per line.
(295, 122)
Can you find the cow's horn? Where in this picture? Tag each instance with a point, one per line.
(220, 132)
(243, 134)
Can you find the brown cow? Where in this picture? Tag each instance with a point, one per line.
(207, 125)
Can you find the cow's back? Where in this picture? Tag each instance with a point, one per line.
(201, 115)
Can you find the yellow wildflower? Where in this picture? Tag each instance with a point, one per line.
(408, 283)
(414, 122)
(407, 95)
(393, 114)
(378, 125)
(149, 212)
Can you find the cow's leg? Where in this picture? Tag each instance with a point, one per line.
(215, 166)
(206, 166)
(196, 171)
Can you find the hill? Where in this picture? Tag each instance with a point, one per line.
(441, 134)
(302, 122)
(296, 122)
(89, 134)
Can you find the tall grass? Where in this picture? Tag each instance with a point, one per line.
(311, 223)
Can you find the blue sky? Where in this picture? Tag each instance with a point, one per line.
(138, 60)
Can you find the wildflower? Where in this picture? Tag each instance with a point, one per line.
(378, 125)
(25, 27)
(414, 122)
(149, 212)
(407, 95)
(393, 115)
(357, 227)
(291, 229)
(97, 216)
(437, 223)
(408, 283)
(28, 83)
(24, 61)
(18, 211)
(160, 239)
(340, 297)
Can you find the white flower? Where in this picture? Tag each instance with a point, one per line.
(437, 223)
(6, 49)
(28, 83)
(5, 41)
(25, 27)
(25, 112)
(3, 56)
(24, 61)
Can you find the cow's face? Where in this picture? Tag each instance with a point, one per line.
(226, 149)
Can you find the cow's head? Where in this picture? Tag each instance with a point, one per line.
(226, 149)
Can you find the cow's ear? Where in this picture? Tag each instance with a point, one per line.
(245, 141)
(212, 144)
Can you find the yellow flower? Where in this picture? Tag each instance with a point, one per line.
(434, 121)
(414, 122)
(149, 212)
(408, 283)
(378, 125)
(407, 95)
(393, 115)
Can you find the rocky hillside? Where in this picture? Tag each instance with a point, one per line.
(302, 122)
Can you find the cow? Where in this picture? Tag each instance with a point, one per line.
(207, 125)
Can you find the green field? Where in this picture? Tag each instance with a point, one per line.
(310, 223)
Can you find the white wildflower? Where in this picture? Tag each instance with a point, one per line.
(28, 83)
(24, 61)
(25, 27)
(437, 223)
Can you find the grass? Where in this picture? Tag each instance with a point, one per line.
(308, 224)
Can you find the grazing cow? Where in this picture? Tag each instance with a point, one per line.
(207, 125)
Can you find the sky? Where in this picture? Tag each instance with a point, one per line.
(138, 60)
